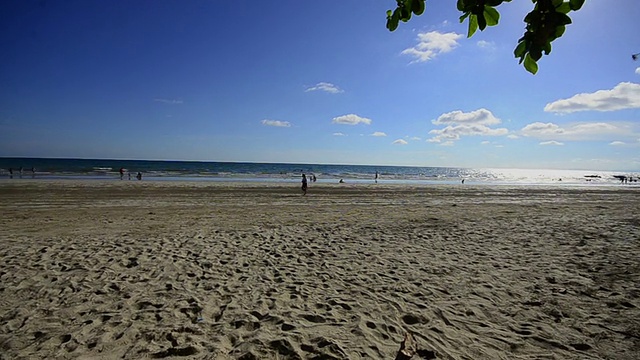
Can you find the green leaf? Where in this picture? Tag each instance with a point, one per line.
(535, 52)
(491, 15)
(576, 4)
(520, 50)
(408, 4)
(563, 8)
(473, 25)
(392, 21)
(564, 19)
(547, 48)
(392, 24)
(389, 13)
(560, 31)
(556, 3)
(530, 65)
(418, 7)
(460, 5)
(482, 22)
(493, 2)
(397, 14)
(464, 17)
(405, 14)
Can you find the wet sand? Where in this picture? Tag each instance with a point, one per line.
(128, 269)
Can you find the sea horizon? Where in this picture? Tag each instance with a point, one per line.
(198, 170)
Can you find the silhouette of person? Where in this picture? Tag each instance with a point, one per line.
(304, 184)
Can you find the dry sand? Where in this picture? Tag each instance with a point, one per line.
(128, 269)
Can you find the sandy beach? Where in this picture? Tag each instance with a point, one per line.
(137, 269)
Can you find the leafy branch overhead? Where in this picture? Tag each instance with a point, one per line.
(545, 23)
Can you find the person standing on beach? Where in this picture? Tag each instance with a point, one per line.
(304, 184)
(121, 173)
(376, 178)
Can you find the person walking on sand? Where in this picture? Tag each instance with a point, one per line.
(304, 184)
(376, 178)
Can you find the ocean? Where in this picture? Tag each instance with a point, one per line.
(151, 170)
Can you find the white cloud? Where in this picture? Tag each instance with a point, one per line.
(552, 142)
(432, 44)
(465, 124)
(276, 123)
(415, 138)
(326, 87)
(338, 134)
(512, 136)
(169, 101)
(400, 142)
(378, 133)
(638, 70)
(351, 119)
(480, 116)
(537, 129)
(617, 143)
(578, 131)
(485, 142)
(454, 132)
(625, 95)
(487, 45)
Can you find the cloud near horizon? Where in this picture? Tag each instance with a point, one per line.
(276, 123)
(584, 131)
(326, 87)
(460, 124)
(351, 119)
(432, 44)
(400, 142)
(552, 142)
(625, 95)
(169, 101)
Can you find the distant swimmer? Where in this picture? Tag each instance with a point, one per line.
(304, 184)
(139, 176)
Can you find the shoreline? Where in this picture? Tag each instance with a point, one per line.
(235, 270)
(275, 181)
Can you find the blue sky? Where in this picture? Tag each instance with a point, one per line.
(315, 82)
